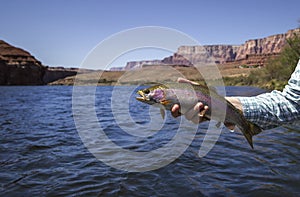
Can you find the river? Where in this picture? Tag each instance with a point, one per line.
(42, 152)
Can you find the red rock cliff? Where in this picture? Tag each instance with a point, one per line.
(264, 46)
(18, 67)
(219, 53)
(252, 52)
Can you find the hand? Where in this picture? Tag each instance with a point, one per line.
(195, 114)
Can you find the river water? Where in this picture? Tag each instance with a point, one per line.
(42, 153)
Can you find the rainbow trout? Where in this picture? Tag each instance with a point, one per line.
(187, 95)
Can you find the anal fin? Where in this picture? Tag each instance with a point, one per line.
(218, 124)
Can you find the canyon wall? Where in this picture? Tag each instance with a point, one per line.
(218, 53)
(252, 52)
(265, 46)
(187, 55)
(55, 73)
(19, 67)
(138, 64)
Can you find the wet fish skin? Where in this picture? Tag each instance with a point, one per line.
(187, 95)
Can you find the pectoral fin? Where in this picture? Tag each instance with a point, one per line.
(165, 102)
(163, 113)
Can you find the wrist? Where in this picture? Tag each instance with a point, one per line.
(235, 102)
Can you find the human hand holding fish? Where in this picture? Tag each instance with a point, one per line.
(197, 113)
(194, 101)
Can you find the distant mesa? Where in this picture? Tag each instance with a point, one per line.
(254, 52)
(139, 64)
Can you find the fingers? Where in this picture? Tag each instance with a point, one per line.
(194, 111)
(203, 112)
(175, 111)
(200, 110)
(197, 113)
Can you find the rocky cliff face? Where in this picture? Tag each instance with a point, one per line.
(187, 55)
(18, 67)
(176, 59)
(219, 53)
(265, 46)
(55, 73)
(139, 64)
(252, 52)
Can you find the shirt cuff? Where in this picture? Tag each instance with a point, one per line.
(254, 112)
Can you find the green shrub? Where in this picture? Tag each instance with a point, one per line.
(279, 69)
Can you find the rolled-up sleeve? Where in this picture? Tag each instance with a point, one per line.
(276, 108)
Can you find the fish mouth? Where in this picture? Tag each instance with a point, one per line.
(142, 96)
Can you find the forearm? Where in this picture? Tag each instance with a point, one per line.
(267, 110)
(254, 110)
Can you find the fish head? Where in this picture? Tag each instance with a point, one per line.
(152, 95)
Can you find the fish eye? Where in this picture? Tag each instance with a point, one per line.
(146, 91)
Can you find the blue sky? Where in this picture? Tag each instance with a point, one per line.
(62, 32)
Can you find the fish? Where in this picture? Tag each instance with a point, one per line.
(187, 95)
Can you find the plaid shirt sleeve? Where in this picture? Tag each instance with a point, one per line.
(275, 108)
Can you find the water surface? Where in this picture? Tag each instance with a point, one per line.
(42, 154)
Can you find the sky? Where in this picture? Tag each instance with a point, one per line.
(63, 32)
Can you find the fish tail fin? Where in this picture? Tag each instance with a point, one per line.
(252, 130)
(249, 131)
